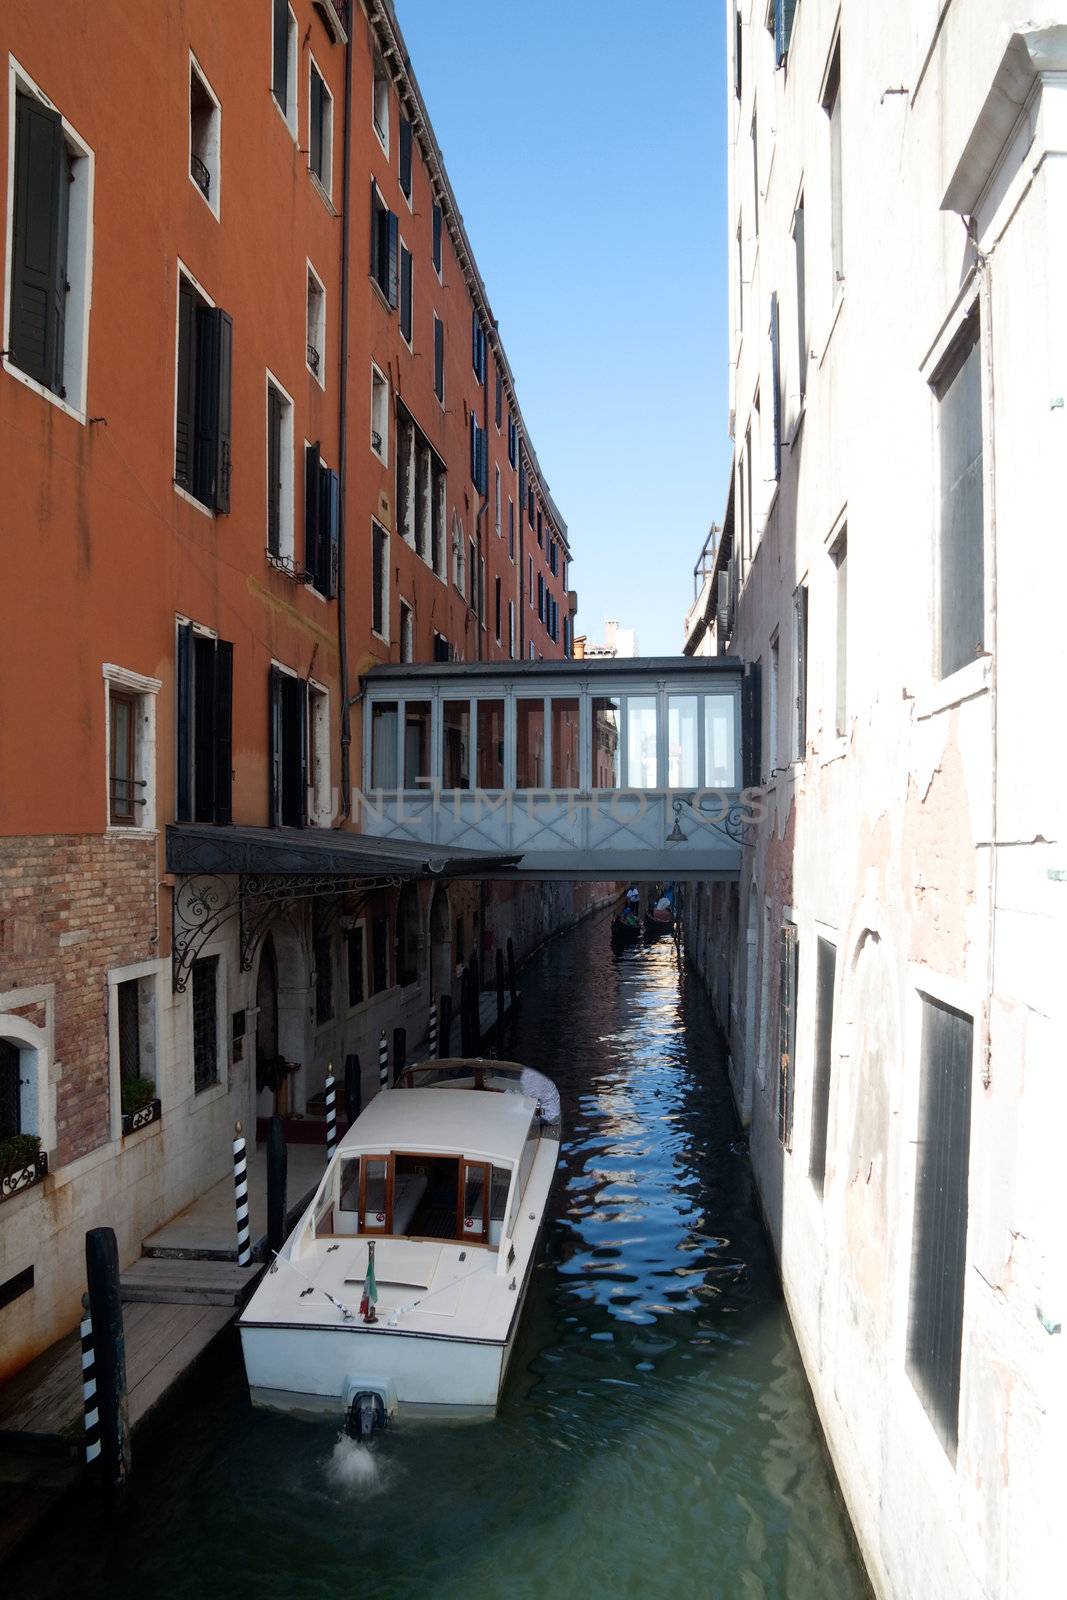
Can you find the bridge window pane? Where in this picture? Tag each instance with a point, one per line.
(530, 744)
(490, 744)
(683, 734)
(607, 749)
(457, 744)
(719, 769)
(641, 765)
(383, 773)
(416, 743)
(565, 744)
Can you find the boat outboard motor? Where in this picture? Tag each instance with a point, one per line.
(366, 1415)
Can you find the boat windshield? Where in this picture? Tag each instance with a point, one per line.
(416, 1196)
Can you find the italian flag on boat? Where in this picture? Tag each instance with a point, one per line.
(370, 1288)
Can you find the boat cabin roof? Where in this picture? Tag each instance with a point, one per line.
(470, 1122)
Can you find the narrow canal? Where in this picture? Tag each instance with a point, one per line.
(657, 1436)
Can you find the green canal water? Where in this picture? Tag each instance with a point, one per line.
(657, 1436)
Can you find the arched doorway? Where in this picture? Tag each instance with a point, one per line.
(440, 943)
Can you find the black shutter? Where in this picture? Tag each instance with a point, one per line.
(439, 358)
(274, 470)
(38, 255)
(293, 751)
(405, 156)
(223, 730)
(224, 411)
(280, 76)
(474, 450)
(437, 237)
(405, 293)
(474, 340)
(737, 49)
(302, 764)
(274, 726)
(311, 509)
(499, 398)
(751, 727)
(184, 807)
(211, 446)
(204, 731)
(334, 539)
(315, 124)
(776, 385)
(787, 1031)
(375, 233)
(392, 229)
(185, 411)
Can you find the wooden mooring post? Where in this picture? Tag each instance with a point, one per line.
(109, 1358)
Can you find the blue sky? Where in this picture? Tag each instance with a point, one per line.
(585, 141)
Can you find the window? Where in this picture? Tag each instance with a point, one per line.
(720, 769)
(320, 129)
(321, 815)
(202, 413)
(530, 582)
(737, 51)
(800, 672)
(511, 629)
(456, 752)
(131, 747)
(540, 532)
(530, 506)
(405, 157)
(11, 1119)
(825, 973)
(496, 499)
(773, 687)
(283, 69)
(939, 1237)
(437, 520)
(511, 529)
(280, 541)
(322, 522)
(540, 597)
(205, 136)
(135, 1034)
(379, 414)
(490, 744)
(439, 358)
(802, 309)
(776, 392)
(441, 650)
(205, 1023)
(481, 587)
(961, 565)
(479, 457)
(607, 743)
(405, 292)
(459, 556)
(437, 238)
(380, 103)
(513, 440)
(553, 558)
(530, 772)
(683, 741)
(288, 749)
(407, 632)
(316, 326)
(478, 347)
(385, 723)
(205, 726)
(499, 398)
(784, 12)
(407, 936)
(50, 180)
(497, 608)
(565, 744)
(839, 556)
(642, 766)
(124, 799)
(788, 956)
(832, 106)
(379, 581)
(384, 246)
(322, 955)
(355, 964)
(379, 954)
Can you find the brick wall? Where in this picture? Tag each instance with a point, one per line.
(71, 908)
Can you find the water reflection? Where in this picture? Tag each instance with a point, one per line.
(656, 1436)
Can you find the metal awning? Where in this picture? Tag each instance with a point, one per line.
(260, 852)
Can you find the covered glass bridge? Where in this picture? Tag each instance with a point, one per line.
(589, 769)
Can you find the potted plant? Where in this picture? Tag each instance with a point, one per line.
(22, 1162)
(139, 1103)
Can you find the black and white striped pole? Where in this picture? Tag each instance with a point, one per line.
(331, 1114)
(90, 1403)
(240, 1196)
(432, 1041)
(445, 1035)
(383, 1061)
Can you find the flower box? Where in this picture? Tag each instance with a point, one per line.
(24, 1177)
(142, 1117)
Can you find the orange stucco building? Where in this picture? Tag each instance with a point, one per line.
(257, 432)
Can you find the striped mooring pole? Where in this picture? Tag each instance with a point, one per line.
(90, 1403)
(383, 1061)
(240, 1196)
(432, 1041)
(331, 1113)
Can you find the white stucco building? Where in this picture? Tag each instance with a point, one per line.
(889, 969)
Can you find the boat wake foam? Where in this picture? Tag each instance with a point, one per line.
(355, 1469)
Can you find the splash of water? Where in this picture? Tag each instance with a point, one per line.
(353, 1468)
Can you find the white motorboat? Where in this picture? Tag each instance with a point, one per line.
(433, 1203)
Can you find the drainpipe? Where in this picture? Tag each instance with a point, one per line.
(522, 555)
(342, 449)
(479, 556)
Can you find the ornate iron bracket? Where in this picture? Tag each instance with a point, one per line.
(733, 825)
(204, 904)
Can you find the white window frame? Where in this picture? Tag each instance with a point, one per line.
(214, 165)
(79, 254)
(325, 184)
(290, 116)
(286, 555)
(313, 279)
(320, 793)
(144, 760)
(36, 1092)
(130, 974)
(383, 432)
(380, 75)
